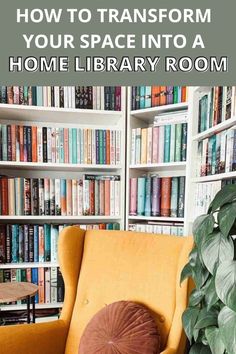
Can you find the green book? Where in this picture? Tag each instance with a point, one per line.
(174, 197)
(184, 142)
(175, 94)
(147, 211)
(167, 138)
(178, 136)
(141, 196)
(74, 145)
(181, 196)
(172, 143)
(47, 242)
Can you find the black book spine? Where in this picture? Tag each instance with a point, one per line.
(4, 94)
(77, 96)
(27, 196)
(90, 97)
(86, 94)
(31, 243)
(29, 144)
(60, 286)
(8, 244)
(35, 196)
(61, 90)
(34, 96)
(112, 98)
(133, 99)
(107, 98)
(21, 94)
(184, 142)
(82, 97)
(25, 143)
(7, 275)
(45, 150)
(9, 144)
(2, 244)
(52, 96)
(26, 243)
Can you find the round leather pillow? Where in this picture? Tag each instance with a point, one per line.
(121, 328)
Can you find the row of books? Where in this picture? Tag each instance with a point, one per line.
(49, 281)
(21, 243)
(153, 96)
(59, 145)
(205, 193)
(88, 195)
(84, 97)
(166, 143)
(216, 106)
(155, 196)
(217, 154)
(158, 228)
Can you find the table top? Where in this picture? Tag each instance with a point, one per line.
(15, 291)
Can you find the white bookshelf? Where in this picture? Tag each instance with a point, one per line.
(140, 119)
(62, 117)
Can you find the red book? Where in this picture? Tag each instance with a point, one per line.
(13, 142)
(4, 195)
(108, 157)
(34, 144)
(21, 135)
(165, 196)
(184, 94)
(92, 197)
(118, 98)
(156, 96)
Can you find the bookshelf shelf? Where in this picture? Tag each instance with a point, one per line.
(37, 307)
(59, 115)
(216, 129)
(216, 177)
(160, 166)
(58, 167)
(150, 113)
(60, 218)
(156, 218)
(29, 265)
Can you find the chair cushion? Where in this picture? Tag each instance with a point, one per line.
(121, 327)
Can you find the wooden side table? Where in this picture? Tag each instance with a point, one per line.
(10, 292)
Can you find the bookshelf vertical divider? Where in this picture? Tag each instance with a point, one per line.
(63, 117)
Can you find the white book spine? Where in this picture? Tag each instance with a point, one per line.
(65, 97)
(53, 285)
(40, 144)
(93, 147)
(161, 144)
(45, 96)
(49, 93)
(57, 196)
(53, 139)
(118, 146)
(73, 97)
(112, 197)
(138, 146)
(82, 146)
(133, 142)
(117, 197)
(102, 98)
(98, 89)
(149, 145)
(94, 97)
(86, 199)
(57, 96)
(74, 198)
(47, 286)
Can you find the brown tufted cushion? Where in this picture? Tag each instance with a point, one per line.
(121, 328)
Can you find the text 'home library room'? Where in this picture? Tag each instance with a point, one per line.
(141, 160)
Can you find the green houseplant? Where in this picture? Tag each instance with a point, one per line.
(210, 319)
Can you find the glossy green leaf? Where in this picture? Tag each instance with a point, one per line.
(206, 318)
(196, 297)
(211, 296)
(186, 272)
(193, 256)
(199, 273)
(214, 340)
(215, 248)
(189, 319)
(227, 327)
(202, 226)
(226, 217)
(226, 195)
(226, 283)
(199, 348)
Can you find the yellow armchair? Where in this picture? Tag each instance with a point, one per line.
(100, 267)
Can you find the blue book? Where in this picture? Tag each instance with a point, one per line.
(167, 143)
(15, 244)
(148, 97)
(142, 97)
(34, 279)
(148, 197)
(36, 243)
(39, 94)
(141, 196)
(70, 145)
(97, 147)
(4, 142)
(47, 242)
(74, 145)
(174, 197)
(21, 243)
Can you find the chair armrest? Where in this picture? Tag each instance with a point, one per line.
(39, 338)
(169, 351)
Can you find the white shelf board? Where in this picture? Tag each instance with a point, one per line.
(61, 218)
(216, 129)
(150, 113)
(215, 177)
(160, 166)
(28, 265)
(156, 218)
(57, 166)
(59, 115)
(37, 306)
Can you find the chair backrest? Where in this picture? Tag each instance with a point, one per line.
(122, 265)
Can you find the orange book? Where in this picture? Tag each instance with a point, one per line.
(165, 196)
(69, 197)
(102, 226)
(156, 96)
(143, 145)
(13, 142)
(108, 147)
(34, 144)
(184, 94)
(107, 197)
(21, 138)
(162, 95)
(41, 285)
(41, 244)
(66, 145)
(10, 95)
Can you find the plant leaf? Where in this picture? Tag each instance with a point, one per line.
(206, 318)
(193, 256)
(226, 195)
(186, 272)
(199, 348)
(189, 320)
(214, 340)
(202, 226)
(227, 327)
(199, 273)
(196, 297)
(215, 248)
(226, 217)
(211, 296)
(226, 283)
